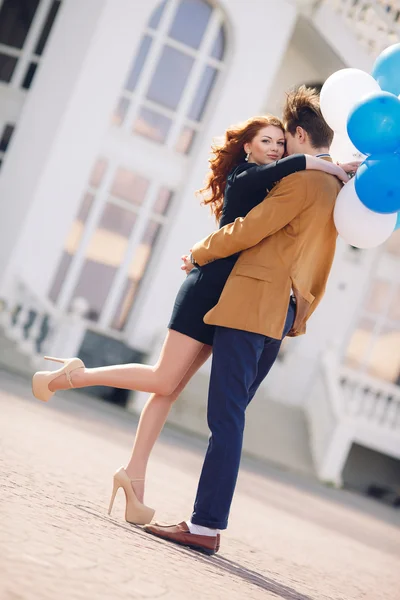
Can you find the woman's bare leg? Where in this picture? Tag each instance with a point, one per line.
(178, 353)
(151, 422)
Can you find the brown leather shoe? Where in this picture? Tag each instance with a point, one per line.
(180, 534)
(218, 543)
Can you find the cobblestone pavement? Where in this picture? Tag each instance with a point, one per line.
(289, 538)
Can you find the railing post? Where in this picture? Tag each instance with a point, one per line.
(331, 466)
(375, 25)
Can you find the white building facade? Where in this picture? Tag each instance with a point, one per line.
(107, 112)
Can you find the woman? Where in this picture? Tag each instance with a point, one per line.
(243, 169)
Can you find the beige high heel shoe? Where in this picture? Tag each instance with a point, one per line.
(135, 512)
(41, 379)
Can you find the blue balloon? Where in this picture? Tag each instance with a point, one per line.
(374, 124)
(377, 183)
(386, 69)
(397, 222)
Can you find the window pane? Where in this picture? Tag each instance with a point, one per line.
(120, 112)
(94, 285)
(359, 343)
(136, 271)
(185, 140)
(116, 220)
(203, 91)
(151, 234)
(51, 15)
(190, 22)
(29, 75)
(394, 312)
(384, 361)
(393, 244)
(16, 17)
(219, 45)
(377, 296)
(76, 231)
(85, 207)
(71, 245)
(60, 276)
(129, 186)
(163, 201)
(170, 78)
(138, 63)
(152, 125)
(6, 137)
(124, 307)
(98, 172)
(104, 255)
(7, 66)
(156, 16)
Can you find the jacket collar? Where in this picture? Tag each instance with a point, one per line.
(324, 156)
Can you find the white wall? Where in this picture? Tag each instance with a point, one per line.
(295, 69)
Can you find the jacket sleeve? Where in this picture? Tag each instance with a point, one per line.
(280, 207)
(264, 176)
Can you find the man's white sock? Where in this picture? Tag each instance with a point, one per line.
(200, 530)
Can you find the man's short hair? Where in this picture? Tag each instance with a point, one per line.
(302, 109)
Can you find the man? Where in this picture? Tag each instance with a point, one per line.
(287, 245)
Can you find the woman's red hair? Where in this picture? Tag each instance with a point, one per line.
(229, 154)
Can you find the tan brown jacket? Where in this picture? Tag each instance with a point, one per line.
(287, 242)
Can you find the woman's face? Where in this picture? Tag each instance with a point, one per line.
(267, 145)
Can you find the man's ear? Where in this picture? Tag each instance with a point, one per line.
(302, 135)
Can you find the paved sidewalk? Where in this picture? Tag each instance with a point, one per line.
(289, 538)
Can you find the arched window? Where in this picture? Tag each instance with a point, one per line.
(124, 211)
(25, 26)
(24, 29)
(172, 75)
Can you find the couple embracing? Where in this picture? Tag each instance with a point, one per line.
(255, 280)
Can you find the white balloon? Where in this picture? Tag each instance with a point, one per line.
(358, 225)
(343, 150)
(341, 92)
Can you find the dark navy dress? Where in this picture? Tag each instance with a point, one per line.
(246, 187)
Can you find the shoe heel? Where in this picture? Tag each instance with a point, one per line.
(58, 360)
(114, 493)
(42, 379)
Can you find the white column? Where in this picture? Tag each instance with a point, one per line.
(257, 39)
(331, 467)
(57, 139)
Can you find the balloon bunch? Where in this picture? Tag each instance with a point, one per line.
(364, 112)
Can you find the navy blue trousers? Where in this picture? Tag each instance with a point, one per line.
(241, 360)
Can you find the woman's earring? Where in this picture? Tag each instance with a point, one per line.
(247, 156)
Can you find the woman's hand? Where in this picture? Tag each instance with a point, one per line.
(339, 170)
(347, 170)
(350, 167)
(187, 264)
